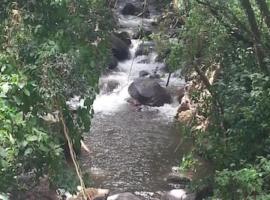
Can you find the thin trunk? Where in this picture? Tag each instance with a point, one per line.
(168, 80)
(255, 34)
(264, 11)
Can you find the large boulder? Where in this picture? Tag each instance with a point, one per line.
(148, 91)
(123, 196)
(130, 9)
(120, 49)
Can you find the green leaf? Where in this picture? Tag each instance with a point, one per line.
(32, 138)
(28, 151)
(26, 92)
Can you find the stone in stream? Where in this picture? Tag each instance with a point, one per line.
(124, 36)
(113, 63)
(141, 33)
(178, 178)
(143, 73)
(144, 48)
(148, 91)
(178, 194)
(108, 86)
(94, 193)
(130, 9)
(120, 49)
(141, 11)
(123, 196)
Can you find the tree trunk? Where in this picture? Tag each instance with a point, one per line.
(264, 11)
(255, 34)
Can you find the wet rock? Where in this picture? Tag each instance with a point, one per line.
(95, 193)
(144, 49)
(141, 33)
(204, 193)
(149, 92)
(123, 196)
(145, 13)
(178, 178)
(113, 63)
(155, 76)
(124, 36)
(143, 73)
(108, 86)
(120, 49)
(144, 61)
(130, 9)
(178, 194)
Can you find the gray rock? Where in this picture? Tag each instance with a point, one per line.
(144, 49)
(130, 9)
(108, 86)
(178, 178)
(124, 36)
(178, 194)
(123, 196)
(113, 63)
(120, 49)
(149, 92)
(143, 73)
(141, 33)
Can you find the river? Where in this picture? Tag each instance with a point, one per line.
(133, 149)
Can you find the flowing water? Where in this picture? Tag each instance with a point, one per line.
(132, 149)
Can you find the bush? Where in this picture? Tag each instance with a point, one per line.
(50, 50)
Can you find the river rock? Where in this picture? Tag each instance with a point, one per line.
(143, 73)
(124, 36)
(149, 92)
(107, 86)
(123, 196)
(178, 194)
(178, 178)
(95, 193)
(130, 9)
(113, 63)
(144, 49)
(141, 33)
(120, 49)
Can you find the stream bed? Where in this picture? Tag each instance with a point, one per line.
(133, 148)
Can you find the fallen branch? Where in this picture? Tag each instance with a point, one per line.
(73, 156)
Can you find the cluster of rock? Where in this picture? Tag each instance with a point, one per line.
(103, 194)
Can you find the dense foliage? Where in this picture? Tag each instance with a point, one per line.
(224, 46)
(49, 51)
